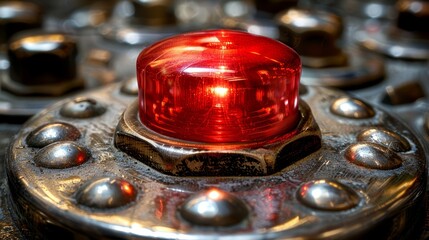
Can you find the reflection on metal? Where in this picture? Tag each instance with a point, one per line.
(385, 138)
(130, 87)
(328, 195)
(351, 108)
(61, 155)
(42, 64)
(82, 108)
(183, 158)
(214, 207)
(374, 156)
(373, 196)
(315, 34)
(52, 132)
(405, 93)
(105, 193)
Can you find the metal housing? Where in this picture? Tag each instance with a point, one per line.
(360, 200)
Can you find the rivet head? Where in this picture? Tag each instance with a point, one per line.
(106, 193)
(372, 156)
(385, 138)
(61, 155)
(130, 87)
(82, 108)
(214, 207)
(327, 195)
(352, 108)
(50, 133)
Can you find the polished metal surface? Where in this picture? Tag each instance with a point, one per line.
(374, 156)
(351, 108)
(214, 208)
(385, 197)
(82, 107)
(130, 87)
(328, 195)
(52, 132)
(106, 193)
(385, 138)
(60, 155)
(184, 158)
(391, 199)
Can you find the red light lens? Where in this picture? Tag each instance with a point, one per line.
(219, 86)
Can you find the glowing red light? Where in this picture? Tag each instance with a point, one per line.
(219, 86)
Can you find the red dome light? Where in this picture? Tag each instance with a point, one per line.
(219, 86)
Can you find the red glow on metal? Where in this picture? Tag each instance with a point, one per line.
(219, 86)
(128, 189)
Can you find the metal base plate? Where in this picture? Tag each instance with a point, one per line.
(354, 187)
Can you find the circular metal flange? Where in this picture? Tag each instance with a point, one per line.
(376, 38)
(361, 70)
(357, 201)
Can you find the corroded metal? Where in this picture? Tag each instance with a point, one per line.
(45, 198)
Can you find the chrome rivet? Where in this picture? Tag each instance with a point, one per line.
(61, 155)
(130, 87)
(351, 108)
(327, 195)
(50, 133)
(106, 193)
(214, 207)
(373, 156)
(82, 108)
(385, 138)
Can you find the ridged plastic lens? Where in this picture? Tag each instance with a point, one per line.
(219, 86)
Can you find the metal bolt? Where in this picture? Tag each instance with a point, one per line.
(106, 192)
(351, 108)
(313, 34)
(372, 156)
(327, 195)
(50, 133)
(38, 58)
(82, 108)
(61, 155)
(214, 207)
(153, 12)
(385, 138)
(130, 87)
(413, 16)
